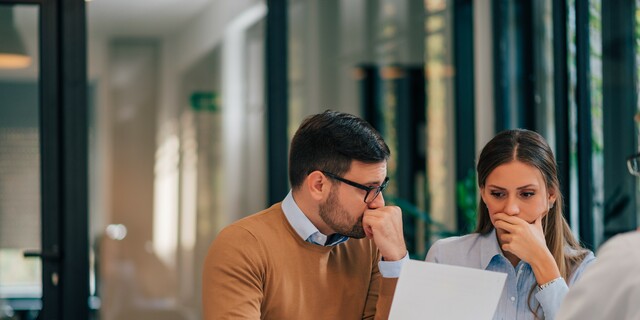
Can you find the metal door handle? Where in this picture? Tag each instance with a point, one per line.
(49, 255)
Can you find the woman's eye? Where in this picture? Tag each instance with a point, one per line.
(497, 194)
(528, 194)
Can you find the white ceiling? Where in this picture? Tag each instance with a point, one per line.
(141, 17)
(124, 17)
(111, 18)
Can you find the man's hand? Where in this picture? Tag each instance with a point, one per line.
(384, 226)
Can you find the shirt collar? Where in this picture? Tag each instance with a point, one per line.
(303, 226)
(300, 223)
(489, 248)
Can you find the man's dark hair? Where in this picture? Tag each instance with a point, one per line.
(329, 141)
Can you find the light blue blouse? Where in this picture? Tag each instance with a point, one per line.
(483, 252)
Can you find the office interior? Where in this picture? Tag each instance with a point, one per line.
(132, 132)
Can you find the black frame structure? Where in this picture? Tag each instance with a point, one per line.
(277, 99)
(561, 100)
(513, 64)
(620, 100)
(464, 102)
(64, 160)
(583, 102)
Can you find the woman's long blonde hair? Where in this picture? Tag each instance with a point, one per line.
(531, 148)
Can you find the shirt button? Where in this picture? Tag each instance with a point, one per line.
(513, 298)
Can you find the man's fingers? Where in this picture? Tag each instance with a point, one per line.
(368, 232)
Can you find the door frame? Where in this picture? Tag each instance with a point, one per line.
(63, 157)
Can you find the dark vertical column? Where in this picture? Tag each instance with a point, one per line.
(464, 102)
(64, 160)
(50, 158)
(74, 151)
(368, 87)
(561, 100)
(525, 63)
(583, 100)
(620, 103)
(277, 99)
(409, 119)
(499, 12)
(513, 64)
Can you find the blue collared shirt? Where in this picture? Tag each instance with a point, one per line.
(483, 252)
(308, 232)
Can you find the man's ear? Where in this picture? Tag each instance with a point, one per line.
(318, 185)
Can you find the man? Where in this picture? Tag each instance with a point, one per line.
(610, 288)
(330, 250)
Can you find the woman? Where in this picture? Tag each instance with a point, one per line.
(521, 230)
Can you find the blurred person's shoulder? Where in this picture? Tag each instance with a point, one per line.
(624, 245)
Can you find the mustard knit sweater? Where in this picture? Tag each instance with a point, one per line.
(260, 268)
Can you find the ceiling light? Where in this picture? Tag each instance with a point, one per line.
(13, 54)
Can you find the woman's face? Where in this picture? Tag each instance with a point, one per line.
(517, 189)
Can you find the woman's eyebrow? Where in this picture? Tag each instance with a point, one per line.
(531, 185)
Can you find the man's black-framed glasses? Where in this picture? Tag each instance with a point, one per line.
(372, 192)
(633, 163)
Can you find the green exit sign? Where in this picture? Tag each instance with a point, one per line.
(205, 101)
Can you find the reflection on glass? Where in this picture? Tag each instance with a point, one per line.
(543, 72)
(573, 116)
(637, 117)
(13, 53)
(597, 149)
(20, 278)
(439, 79)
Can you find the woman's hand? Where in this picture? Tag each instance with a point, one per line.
(526, 241)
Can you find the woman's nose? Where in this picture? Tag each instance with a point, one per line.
(511, 207)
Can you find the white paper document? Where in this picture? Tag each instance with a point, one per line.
(428, 290)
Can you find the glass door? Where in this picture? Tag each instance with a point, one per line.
(20, 175)
(43, 178)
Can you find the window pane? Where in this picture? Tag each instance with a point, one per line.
(177, 148)
(20, 278)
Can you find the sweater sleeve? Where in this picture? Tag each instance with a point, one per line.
(380, 295)
(233, 276)
(387, 289)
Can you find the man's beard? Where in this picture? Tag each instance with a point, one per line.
(338, 219)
